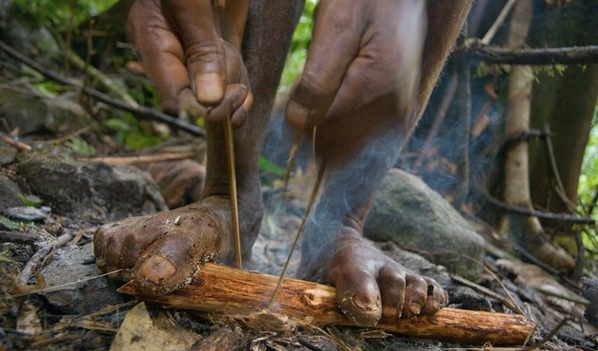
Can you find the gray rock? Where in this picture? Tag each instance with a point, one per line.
(10, 193)
(590, 292)
(80, 289)
(31, 113)
(7, 153)
(27, 213)
(409, 213)
(93, 191)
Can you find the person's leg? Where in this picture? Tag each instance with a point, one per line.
(369, 284)
(164, 251)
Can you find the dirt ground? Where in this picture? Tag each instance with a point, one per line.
(54, 298)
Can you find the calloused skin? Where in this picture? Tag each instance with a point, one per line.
(355, 95)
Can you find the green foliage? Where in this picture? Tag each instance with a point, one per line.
(60, 14)
(81, 147)
(269, 167)
(299, 46)
(588, 186)
(49, 88)
(30, 200)
(129, 133)
(10, 224)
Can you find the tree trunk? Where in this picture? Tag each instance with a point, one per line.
(565, 102)
(525, 230)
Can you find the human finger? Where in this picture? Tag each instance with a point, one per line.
(335, 43)
(195, 23)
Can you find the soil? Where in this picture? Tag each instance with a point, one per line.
(54, 298)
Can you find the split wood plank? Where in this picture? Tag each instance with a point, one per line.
(219, 289)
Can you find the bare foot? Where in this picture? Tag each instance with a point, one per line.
(163, 252)
(370, 285)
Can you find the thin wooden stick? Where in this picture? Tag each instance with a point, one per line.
(219, 290)
(292, 158)
(310, 203)
(232, 182)
(141, 159)
(498, 22)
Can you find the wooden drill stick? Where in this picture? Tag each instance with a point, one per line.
(232, 181)
(292, 157)
(311, 201)
(222, 290)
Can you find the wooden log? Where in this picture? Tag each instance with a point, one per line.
(220, 289)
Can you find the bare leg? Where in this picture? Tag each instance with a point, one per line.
(369, 284)
(164, 251)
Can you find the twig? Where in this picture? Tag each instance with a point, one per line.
(540, 214)
(133, 160)
(310, 203)
(533, 57)
(40, 255)
(485, 291)
(19, 145)
(58, 287)
(141, 112)
(560, 188)
(498, 22)
(549, 336)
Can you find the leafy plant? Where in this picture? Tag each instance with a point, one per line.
(60, 14)
(267, 166)
(30, 200)
(129, 133)
(299, 46)
(81, 147)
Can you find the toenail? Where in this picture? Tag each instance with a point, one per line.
(157, 269)
(364, 303)
(415, 309)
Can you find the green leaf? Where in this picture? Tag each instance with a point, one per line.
(10, 224)
(81, 147)
(267, 166)
(30, 200)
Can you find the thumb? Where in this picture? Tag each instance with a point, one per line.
(204, 53)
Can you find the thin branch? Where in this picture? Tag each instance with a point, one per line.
(498, 22)
(141, 159)
(540, 214)
(141, 112)
(11, 141)
(41, 255)
(534, 57)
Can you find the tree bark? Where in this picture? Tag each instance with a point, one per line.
(566, 102)
(225, 290)
(525, 230)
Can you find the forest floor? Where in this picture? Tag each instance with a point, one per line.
(54, 298)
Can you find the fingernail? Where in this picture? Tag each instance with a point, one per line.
(208, 88)
(297, 115)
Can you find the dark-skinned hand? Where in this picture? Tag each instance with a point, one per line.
(190, 51)
(361, 73)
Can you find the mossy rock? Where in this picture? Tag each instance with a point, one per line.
(411, 214)
(91, 190)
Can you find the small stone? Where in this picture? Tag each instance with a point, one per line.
(28, 213)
